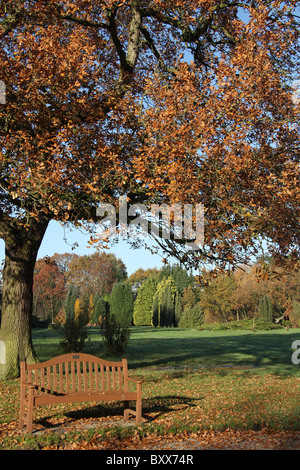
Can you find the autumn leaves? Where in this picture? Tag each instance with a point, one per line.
(167, 102)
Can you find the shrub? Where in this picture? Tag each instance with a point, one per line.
(115, 334)
(191, 317)
(101, 309)
(259, 325)
(73, 334)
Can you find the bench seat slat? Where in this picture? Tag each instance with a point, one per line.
(47, 399)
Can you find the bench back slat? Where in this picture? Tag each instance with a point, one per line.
(102, 377)
(77, 374)
(107, 374)
(61, 378)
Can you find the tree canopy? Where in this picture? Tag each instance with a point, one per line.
(166, 102)
(173, 102)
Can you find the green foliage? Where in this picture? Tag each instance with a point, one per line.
(265, 308)
(121, 303)
(259, 325)
(101, 309)
(180, 276)
(142, 312)
(177, 308)
(73, 334)
(115, 334)
(71, 298)
(191, 317)
(155, 310)
(164, 308)
(167, 310)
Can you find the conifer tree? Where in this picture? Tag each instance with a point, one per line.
(265, 308)
(142, 312)
(177, 308)
(72, 295)
(101, 309)
(170, 306)
(163, 313)
(121, 303)
(91, 307)
(163, 308)
(155, 313)
(78, 309)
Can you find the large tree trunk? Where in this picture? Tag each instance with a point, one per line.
(21, 248)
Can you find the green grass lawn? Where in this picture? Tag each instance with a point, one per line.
(189, 348)
(192, 381)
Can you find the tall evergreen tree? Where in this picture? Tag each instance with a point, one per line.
(155, 314)
(265, 308)
(71, 298)
(177, 308)
(170, 306)
(142, 312)
(121, 302)
(101, 309)
(164, 310)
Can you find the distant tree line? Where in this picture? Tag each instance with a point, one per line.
(93, 287)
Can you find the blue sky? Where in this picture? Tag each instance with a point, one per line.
(60, 240)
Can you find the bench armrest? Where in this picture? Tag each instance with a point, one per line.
(135, 380)
(28, 384)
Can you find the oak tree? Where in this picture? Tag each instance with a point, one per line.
(164, 101)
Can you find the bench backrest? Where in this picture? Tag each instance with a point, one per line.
(76, 374)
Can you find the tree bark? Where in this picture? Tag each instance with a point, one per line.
(21, 248)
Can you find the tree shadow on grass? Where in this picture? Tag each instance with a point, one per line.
(247, 349)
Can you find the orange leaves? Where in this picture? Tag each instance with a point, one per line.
(203, 116)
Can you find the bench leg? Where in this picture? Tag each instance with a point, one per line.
(30, 411)
(22, 411)
(138, 412)
(139, 404)
(138, 409)
(22, 406)
(126, 410)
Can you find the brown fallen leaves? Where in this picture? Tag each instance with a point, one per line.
(264, 439)
(236, 410)
(206, 440)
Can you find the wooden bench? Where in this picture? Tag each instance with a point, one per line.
(76, 378)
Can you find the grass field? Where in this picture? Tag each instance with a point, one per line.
(175, 347)
(192, 381)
